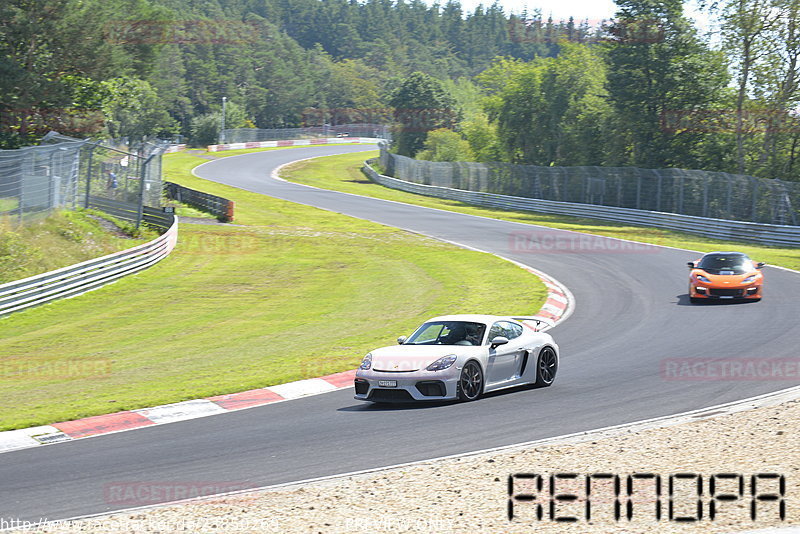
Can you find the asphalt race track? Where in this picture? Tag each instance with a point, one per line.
(632, 315)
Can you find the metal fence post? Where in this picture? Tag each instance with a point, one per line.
(21, 205)
(730, 196)
(140, 207)
(658, 191)
(89, 175)
(638, 190)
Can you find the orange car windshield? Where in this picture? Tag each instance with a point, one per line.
(726, 264)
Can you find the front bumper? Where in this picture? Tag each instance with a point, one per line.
(736, 293)
(379, 386)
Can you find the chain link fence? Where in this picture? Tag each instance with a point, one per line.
(253, 135)
(707, 194)
(64, 172)
(36, 180)
(124, 173)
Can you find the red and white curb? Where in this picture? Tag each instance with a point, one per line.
(559, 303)
(295, 142)
(557, 307)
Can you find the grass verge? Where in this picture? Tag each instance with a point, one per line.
(63, 238)
(295, 292)
(343, 173)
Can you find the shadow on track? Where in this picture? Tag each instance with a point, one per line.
(683, 300)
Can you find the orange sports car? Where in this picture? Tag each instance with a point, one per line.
(725, 275)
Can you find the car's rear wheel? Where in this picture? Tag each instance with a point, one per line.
(546, 368)
(470, 384)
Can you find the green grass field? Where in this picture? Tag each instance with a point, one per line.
(295, 292)
(9, 204)
(63, 238)
(343, 173)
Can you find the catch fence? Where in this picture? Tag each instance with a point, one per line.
(716, 195)
(252, 135)
(64, 172)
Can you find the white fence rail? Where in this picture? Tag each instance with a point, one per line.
(82, 277)
(765, 234)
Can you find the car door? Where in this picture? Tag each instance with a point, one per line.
(504, 360)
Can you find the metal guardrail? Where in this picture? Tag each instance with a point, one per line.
(221, 207)
(249, 135)
(295, 142)
(82, 277)
(129, 211)
(765, 234)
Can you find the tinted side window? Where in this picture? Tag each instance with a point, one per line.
(515, 329)
(505, 329)
(496, 330)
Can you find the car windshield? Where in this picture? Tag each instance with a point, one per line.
(726, 264)
(448, 333)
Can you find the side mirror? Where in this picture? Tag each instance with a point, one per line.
(499, 340)
(690, 264)
(401, 340)
(760, 264)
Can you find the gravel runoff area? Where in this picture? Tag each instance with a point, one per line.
(470, 494)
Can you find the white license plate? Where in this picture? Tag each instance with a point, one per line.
(387, 383)
(726, 297)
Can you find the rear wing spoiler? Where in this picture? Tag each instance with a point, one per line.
(536, 322)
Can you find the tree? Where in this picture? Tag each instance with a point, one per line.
(658, 66)
(446, 145)
(550, 111)
(134, 110)
(747, 35)
(777, 84)
(482, 138)
(205, 129)
(420, 105)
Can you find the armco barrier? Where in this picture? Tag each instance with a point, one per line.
(129, 212)
(295, 142)
(765, 234)
(221, 207)
(82, 277)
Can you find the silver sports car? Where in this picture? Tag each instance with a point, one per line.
(459, 357)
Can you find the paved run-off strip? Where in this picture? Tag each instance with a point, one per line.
(557, 307)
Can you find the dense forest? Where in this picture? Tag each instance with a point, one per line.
(645, 88)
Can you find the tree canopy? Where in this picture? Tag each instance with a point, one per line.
(644, 88)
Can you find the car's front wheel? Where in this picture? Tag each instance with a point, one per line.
(546, 367)
(470, 384)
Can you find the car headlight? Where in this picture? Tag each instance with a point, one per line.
(702, 278)
(366, 363)
(750, 279)
(442, 363)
